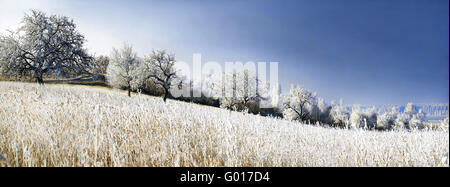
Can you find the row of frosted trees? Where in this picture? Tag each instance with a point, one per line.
(126, 70)
(156, 73)
(301, 105)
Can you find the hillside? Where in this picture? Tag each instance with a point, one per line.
(67, 125)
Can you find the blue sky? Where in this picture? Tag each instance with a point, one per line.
(364, 51)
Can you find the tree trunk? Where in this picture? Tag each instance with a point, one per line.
(166, 92)
(40, 80)
(302, 113)
(129, 91)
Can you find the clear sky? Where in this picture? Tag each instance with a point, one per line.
(364, 51)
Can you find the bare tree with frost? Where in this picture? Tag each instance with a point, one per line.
(159, 67)
(357, 118)
(339, 115)
(42, 45)
(324, 111)
(240, 91)
(295, 103)
(123, 69)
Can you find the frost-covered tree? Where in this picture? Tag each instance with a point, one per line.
(410, 109)
(250, 90)
(418, 120)
(276, 96)
(225, 90)
(366, 120)
(239, 91)
(206, 92)
(9, 48)
(276, 100)
(371, 118)
(357, 118)
(159, 68)
(123, 69)
(410, 118)
(42, 45)
(339, 115)
(313, 110)
(324, 111)
(295, 103)
(386, 121)
(209, 81)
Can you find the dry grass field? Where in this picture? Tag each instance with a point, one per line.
(67, 125)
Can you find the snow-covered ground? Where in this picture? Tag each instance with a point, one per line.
(63, 125)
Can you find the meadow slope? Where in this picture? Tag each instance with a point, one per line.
(65, 125)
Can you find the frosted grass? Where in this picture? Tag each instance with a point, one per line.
(63, 125)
